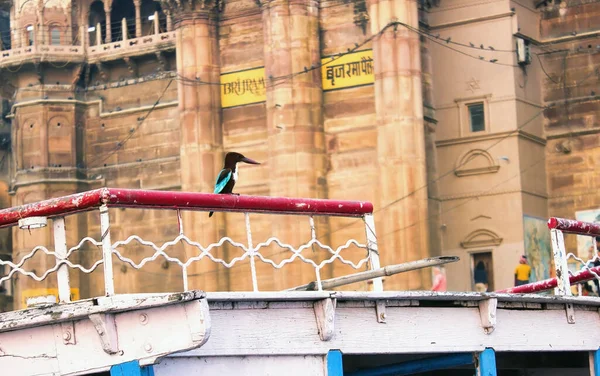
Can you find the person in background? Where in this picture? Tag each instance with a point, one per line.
(522, 272)
(480, 277)
(439, 279)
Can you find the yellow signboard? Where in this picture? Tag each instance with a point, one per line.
(243, 87)
(32, 293)
(350, 70)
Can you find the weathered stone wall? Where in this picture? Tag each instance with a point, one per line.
(342, 144)
(573, 125)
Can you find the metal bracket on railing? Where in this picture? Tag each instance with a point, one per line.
(487, 313)
(325, 315)
(68, 333)
(380, 311)
(104, 324)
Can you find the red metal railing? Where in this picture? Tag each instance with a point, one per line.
(113, 197)
(106, 198)
(571, 227)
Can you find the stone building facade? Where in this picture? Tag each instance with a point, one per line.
(151, 94)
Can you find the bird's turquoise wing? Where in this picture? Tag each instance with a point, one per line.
(222, 180)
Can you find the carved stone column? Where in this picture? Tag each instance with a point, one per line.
(169, 21)
(297, 155)
(107, 10)
(138, 18)
(402, 227)
(200, 125)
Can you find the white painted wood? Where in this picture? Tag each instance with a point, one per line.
(60, 248)
(397, 295)
(325, 316)
(408, 330)
(240, 365)
(145, 334)
(487, 313)
(83, 308)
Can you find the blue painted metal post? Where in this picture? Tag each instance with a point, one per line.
(412, 367)
(131, 369)
(596, 370)
(334, 363)
(487, 363)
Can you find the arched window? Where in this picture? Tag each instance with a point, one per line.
(96, 16)
(55, 36)
(122, 9)
(29, 35)
(5, 29)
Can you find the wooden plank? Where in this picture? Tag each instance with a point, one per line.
(144, 335)
(408, 330)
(242, 365)
(335, 365)
(58, 313)
(397, 295)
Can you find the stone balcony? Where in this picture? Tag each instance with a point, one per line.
(132, 47)
(92, 54)
(41, 53)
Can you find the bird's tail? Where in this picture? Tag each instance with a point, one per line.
(210, 214)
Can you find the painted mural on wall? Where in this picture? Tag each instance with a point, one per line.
(250, 86)
(584, 243)
(538, 248)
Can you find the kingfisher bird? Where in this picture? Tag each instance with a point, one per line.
(229, 174)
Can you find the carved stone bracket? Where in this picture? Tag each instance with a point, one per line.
(162, 61)
(77, 74)
(361, 15)
(102, 71)
(38, 71)
(186, 9)
(131, 66)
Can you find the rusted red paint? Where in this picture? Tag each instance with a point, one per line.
(141, 199)
(551, 283)
(54, 207)
(571, 226)
(241, 203)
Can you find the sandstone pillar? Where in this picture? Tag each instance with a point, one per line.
(138, 18)
(297, 157)
(107, 10)
(46, 155)
(200, 125)
(169, 21)
(402, 227)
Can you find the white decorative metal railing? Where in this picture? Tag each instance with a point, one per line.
(564, 277)
(36, 215)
